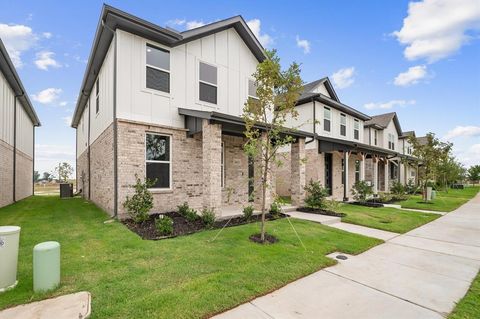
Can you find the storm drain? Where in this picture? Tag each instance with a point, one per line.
(341, 257)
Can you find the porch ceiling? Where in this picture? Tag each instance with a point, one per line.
(329, 144)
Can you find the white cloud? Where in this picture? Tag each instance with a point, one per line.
(343, 78)
(186, 24)
(45, 59)
(17, 39)
(265, 39)
(412, 76)
(471, 156)
(63, 103)
(47, 35)
(194, 24)
(388, 105)
(67, 120)
(303, 44)
(48, 156)
(435, 29)
(47, 96)
(463, 131)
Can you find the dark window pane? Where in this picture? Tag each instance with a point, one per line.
(158, 80)
(157, 148)
(159, 173)
(97, 88)
(326, 125)
(343, 130)
(158, 58)
(97, 104)
(356, 134)
(208, 93)
(208, 73)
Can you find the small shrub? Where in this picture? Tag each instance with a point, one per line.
(141, 202)
(183, 209)
(384, 198)
(275, 208)
(411, 188)
(248, 212)
(208, 217)
(332, 205)
(316, 195)
(164, 225)
(397, 188)
(361, 190)
(191, 215)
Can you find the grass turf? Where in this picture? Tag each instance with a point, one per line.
(444, 201)
(469, 306)
(385, 218)
(184, 277)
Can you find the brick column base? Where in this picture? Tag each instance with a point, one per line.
(297, 171)
(211, 158)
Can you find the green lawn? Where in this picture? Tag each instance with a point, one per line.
(185, 277)
(444, 201)
(469, 306)
(385, 218)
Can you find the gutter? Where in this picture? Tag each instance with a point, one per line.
(115, 124)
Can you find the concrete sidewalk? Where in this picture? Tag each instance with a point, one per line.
(420, 274)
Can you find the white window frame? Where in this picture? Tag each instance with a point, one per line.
(343, 117)
(97, 96)
(205, 82)
(222, 165)
(158, 46)
(356, 127)
(329, 118)
(154, 161)
(248, 86)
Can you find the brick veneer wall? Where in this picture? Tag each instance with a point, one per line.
(24, 176)
(6, 174)
(235, 191)
(82, 174)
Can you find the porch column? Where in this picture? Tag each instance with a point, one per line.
(346, 156)
(297, 171)
(258, 177)
(387, 164)
(375, 174)
(211, 159)
(362, 167)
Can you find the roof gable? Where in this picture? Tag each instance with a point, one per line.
(381, 121)
(315, 87)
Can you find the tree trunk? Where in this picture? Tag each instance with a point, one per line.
(264, 194)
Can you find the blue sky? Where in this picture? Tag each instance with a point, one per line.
(422, 62)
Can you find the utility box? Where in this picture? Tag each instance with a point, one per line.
(9, 241)
(46, 266)
(66, 190)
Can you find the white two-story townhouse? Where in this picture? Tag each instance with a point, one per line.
(337, 154)
(17, 134)
(167, 105)
(409, 163)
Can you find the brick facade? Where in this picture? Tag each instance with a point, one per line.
(82, 174)
(297, 168)
(6, 174)
(235, 190)
(24, 177)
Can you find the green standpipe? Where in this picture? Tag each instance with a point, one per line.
(46, 266)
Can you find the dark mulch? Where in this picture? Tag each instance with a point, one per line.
(269, 239)
(181, 226)
(320, 211)
(367, 204)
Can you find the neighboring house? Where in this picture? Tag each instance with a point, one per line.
(167, 105)
(17, 134)
(339, 152)
(409, 164)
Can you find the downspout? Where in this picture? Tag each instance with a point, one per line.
(33, 160)
(115, 125)
(15, 146)
(88, 150)
(314, 123)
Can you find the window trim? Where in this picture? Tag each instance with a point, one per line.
(248, 89)
(343, 116)
(207, 83)
(356, 128)
(357, 172)
(154, 161)
(329, 119)
(160, 47)
(97, 95)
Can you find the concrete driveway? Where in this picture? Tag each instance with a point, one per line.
(421, 274)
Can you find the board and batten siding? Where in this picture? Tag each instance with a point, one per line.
(24, 134)
(390, 129)
(225, 50)
(7, 112)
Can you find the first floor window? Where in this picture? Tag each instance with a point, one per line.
(343, 171)
(222, 174)
(357, 170)
(158, 159)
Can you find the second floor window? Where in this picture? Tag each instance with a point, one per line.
(375, 137)
(252, 89)
(208, 83)
(97, 96)
(327, 115)
(158, 69)
(343, 124)
(356, 129)
(391, 141)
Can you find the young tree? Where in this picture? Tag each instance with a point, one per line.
(47, 176)
(474, 173)
(36, 176)
(430, 155)
(63, 171)
(277, 92)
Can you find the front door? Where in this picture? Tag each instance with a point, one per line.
(328, 172)
(250, 179)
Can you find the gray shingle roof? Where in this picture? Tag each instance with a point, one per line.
(309, 87)
(407, 134)
(382, 121)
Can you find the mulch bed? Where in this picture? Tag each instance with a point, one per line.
(181, 226)
(368, 204)
(320, 211)
(269, 239)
